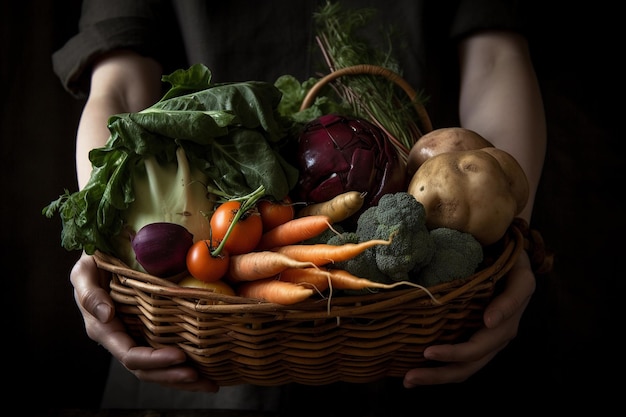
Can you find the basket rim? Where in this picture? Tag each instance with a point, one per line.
(369, 69)
(207, 301)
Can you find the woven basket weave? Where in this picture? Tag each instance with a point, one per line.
(235, 340)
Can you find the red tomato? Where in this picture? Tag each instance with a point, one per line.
(274, 213)
(246, 233)
(202, 265)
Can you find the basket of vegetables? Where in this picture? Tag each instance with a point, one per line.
(269, 270)
(354, 338)
(307, 232)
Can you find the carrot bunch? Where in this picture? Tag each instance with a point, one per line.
(269, 274)
(284, 270)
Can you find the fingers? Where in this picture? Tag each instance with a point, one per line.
(502, 316)
(90, 294)
(164, 366)
(520, 286)
(481, 344)
(460, 361)
(141, 357)
(179, 377)
(452, 373)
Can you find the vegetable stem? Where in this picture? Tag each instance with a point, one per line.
(367, 95)
(249, 202)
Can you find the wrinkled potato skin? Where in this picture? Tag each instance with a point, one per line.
(442, 140)
(469, 191)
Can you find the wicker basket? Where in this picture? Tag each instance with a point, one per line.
(366, 69)
(235, 340)
(415, 128)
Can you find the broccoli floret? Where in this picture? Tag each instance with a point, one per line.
(457, 255)
(362, 265)
(325, 235)
(345, 237)
(403, 218)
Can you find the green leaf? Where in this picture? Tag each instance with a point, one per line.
(197, 77)
(258, 163)
(229, 133)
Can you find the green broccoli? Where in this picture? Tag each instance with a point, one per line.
(325, 235)
(343, 237)
(362, 265)
(401, 217)
(457, 255)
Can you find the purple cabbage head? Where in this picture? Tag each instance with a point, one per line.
(338, 154)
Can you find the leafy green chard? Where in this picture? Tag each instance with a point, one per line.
(165, 162)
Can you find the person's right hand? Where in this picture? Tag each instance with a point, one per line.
(165, 366)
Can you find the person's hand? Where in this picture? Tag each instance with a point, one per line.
(164, 366)
(501, 322)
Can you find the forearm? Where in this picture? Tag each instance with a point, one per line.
(121, 82)
(501, 100)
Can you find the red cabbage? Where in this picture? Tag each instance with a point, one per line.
(337, 154)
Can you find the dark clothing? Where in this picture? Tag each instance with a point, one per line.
(241, 40)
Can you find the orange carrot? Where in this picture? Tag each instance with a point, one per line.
(338, 208)
(294, 231)
(257, 265)
(275, 291)
(323, 253)
(339, 279)
(314, 277)
(343, 280)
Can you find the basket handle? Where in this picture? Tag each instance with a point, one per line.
(362, 69)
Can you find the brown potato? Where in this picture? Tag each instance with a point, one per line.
(518, 182)
(477, 191)
(446, 139)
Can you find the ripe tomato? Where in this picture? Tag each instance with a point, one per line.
(202, 265)
(274, 213)
(246, 233)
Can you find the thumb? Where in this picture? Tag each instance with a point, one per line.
(89, 292)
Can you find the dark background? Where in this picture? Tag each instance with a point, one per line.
(569, 334)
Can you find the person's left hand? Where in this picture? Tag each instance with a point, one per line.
(501, 322)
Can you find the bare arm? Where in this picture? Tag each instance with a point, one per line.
(121, 82)
(501, 100)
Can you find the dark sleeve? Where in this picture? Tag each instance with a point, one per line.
(446, 22)
(476, 15)
(145, 26)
